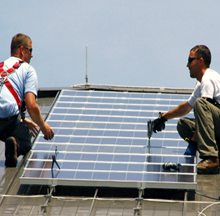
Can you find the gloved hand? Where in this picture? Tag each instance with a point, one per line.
(191, 148)
(159, 124)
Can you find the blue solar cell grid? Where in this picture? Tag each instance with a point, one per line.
(102, 141)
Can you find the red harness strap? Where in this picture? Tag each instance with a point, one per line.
(1, 67)
(8, 84)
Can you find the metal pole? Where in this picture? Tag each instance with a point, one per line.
(48, 199)
(86, 64)
(90, 211)
(137, 210)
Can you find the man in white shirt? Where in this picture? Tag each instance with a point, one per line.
(203, 132)
(18, 86)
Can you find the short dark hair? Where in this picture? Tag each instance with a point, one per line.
(203, 51)
(17, 41)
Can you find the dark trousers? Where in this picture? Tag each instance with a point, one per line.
(17, 128)
(207, 126)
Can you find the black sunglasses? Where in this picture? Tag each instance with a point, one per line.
(191, 59)
(30, 49)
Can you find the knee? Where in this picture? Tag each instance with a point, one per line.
(180, 126)
(186, 127)
(199, 104)
(179, 123)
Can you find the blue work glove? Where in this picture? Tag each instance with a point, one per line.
(159, 124)
(191, 148)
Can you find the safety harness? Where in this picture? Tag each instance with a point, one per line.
(4, 80)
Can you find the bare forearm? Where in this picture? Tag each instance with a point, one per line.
(35, 115)
(180, 110)
(33, 109)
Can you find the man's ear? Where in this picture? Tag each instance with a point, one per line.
(201, 61)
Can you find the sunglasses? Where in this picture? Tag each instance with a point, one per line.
(191, 59)
(30, 49)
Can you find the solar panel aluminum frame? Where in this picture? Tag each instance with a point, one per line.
(124, 103)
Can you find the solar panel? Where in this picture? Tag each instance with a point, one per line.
(101, 138)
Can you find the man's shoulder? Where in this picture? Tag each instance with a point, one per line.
(24, 65)
(28, 67)
(12, 60)
(211, 74)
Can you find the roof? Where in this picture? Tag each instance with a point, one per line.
(19, 199)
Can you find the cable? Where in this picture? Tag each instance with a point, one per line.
(177, 201)
(122, 199)
(217, 199)
(22, 196)
(91, 198)
(201, 213)
(207, 196)
(107, 199)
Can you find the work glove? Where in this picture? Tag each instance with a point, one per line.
(191, 148)
(159, 123)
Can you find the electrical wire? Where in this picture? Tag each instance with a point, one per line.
(21, 196)
(201, 213)
(103, 199)
(72, 199)
(204, 195)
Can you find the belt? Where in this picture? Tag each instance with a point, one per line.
(11, 118)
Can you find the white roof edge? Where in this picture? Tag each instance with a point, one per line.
(132, 88)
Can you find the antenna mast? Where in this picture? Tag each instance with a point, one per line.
(86, 64)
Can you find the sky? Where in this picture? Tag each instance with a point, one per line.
(139, 43)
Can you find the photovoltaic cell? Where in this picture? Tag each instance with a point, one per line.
(102, 141)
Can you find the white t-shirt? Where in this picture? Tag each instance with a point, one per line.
(208, 88)
(23, 80)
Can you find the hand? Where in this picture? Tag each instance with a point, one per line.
(47, 131)
(32, 126)
(159, 124)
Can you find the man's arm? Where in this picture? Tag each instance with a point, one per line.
(32, 127)
(181, 110)
(34, 112)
